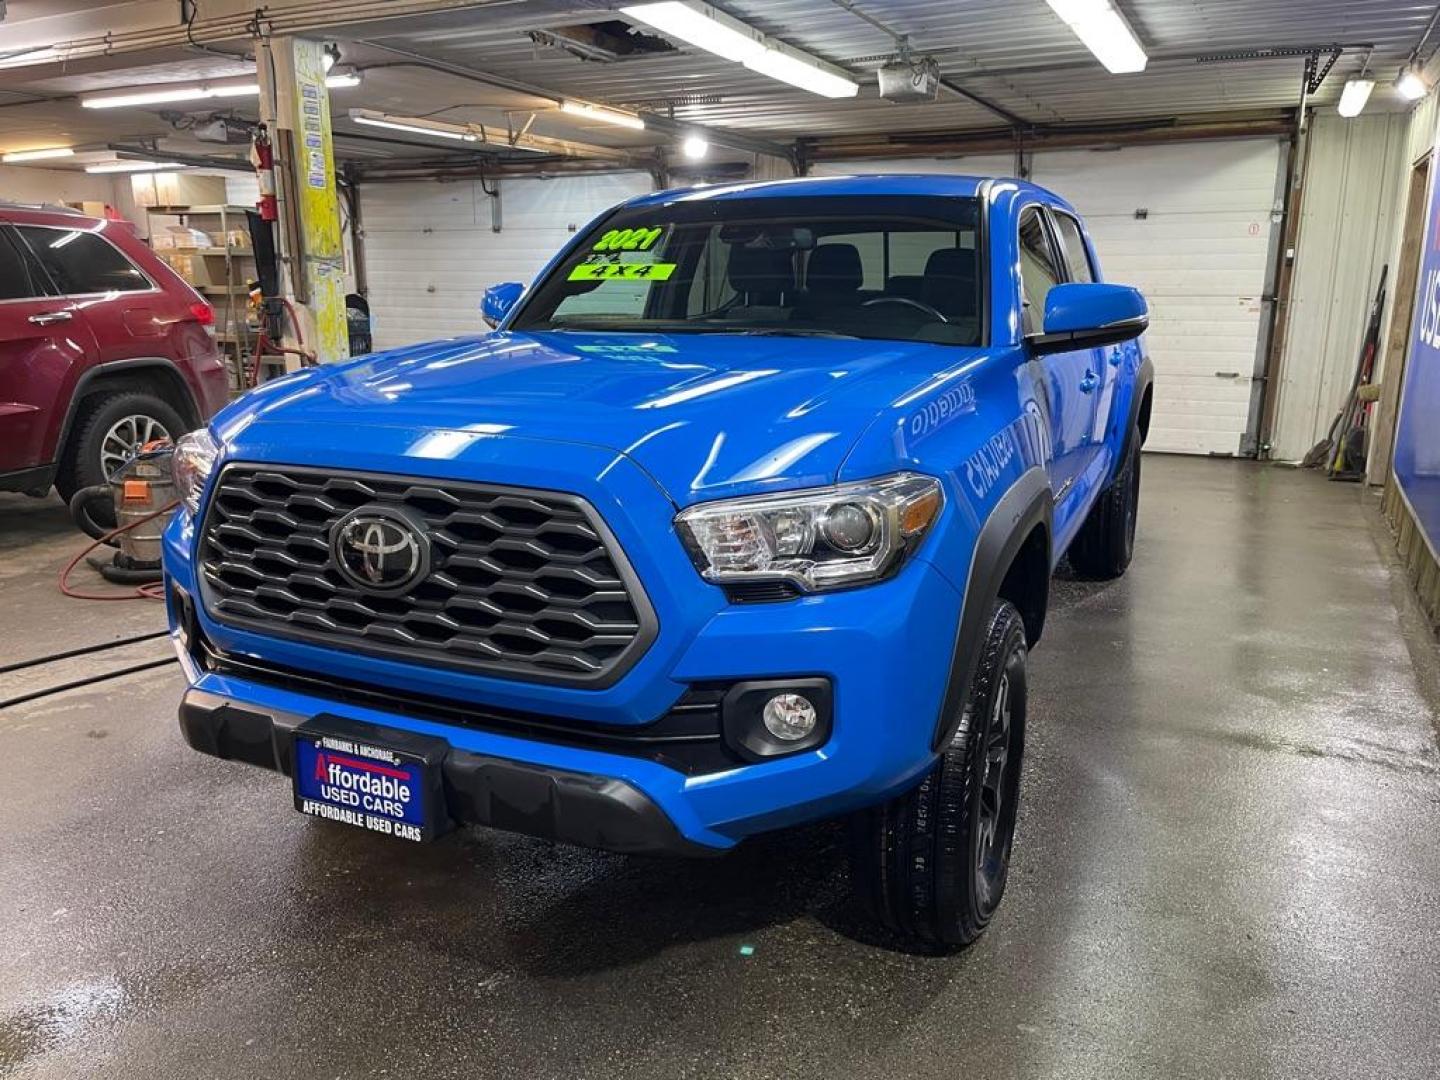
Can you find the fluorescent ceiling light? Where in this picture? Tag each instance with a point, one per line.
(1103, 31)
(702, 26)
(165, 94)
(133, 166)
(618, 117)
(38, 155)
(415, 126)
(1354, 97)
(1410, 84)
(707, 28)
(801, 71)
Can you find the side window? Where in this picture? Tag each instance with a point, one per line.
(1077, 257)
(81, 262)
(1038, 271)
(15, 281)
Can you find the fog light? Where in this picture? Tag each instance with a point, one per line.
(766, 718)
(789, 717)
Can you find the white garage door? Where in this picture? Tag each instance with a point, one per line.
(431, 250)
(1190, 225)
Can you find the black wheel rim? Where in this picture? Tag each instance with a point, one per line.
(997, 793)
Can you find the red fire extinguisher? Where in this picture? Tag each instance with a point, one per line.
(262, 156)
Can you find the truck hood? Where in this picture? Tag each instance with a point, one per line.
(705, 415)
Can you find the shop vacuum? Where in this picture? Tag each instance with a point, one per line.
(136, 498)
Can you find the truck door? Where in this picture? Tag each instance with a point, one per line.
(1079, 265)
(1066, 379)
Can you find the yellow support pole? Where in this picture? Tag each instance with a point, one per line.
(293, 93)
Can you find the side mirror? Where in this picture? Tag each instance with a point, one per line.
(498, 301)
(1087, 315)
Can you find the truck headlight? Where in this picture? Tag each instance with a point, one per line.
(193, 461)
(822, 538)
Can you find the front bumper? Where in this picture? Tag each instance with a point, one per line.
(553, 804)
(885, 650)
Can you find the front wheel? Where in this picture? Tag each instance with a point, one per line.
(932, 863)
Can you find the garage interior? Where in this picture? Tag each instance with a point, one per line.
(1230, 833)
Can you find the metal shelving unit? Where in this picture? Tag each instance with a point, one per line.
(233, 329)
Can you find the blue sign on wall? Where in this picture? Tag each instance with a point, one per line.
(1417, 433)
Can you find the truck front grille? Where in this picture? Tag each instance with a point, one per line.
(515, 582)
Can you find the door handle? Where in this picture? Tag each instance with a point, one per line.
(1089, 382)
(49, 317)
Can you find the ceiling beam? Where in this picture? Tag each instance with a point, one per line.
(1277, 123)
(653, 122)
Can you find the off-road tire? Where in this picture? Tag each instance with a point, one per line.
(921, 862)
(1106, 542)
(80, 461)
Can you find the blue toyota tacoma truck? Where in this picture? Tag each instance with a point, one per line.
(743, 517)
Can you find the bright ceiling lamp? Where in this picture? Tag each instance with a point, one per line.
(618, 117)
(714, 31)
(415, 125)
(38, 155)
(702, 26)
(695, 147)
(1354, 97)
(790, 67)
(1104, 31)
(1410, 84)
(132, 166)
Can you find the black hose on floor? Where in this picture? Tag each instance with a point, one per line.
(83, 650)
(21, 699)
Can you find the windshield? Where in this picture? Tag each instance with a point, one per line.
(900, 268)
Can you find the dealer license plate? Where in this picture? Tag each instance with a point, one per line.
(370, 777)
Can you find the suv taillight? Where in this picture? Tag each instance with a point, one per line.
(204, 314)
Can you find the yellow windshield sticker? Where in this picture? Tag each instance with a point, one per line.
(622, 271)
(642, 239)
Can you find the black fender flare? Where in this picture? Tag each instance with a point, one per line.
(1144, 380)
(1028, 503)
(190, 413)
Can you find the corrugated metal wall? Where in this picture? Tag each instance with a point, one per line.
(1347, 222)
(431, 247)
(1190, 225)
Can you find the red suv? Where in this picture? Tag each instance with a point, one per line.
(103, 347)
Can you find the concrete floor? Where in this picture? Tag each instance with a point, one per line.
(1227, 865)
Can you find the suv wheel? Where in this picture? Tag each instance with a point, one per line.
(932, 863)
(108, 430)
(1105, 543)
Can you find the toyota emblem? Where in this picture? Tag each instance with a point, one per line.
(380, 549)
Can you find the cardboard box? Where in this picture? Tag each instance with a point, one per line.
(177, 189)
(199, 270)
(183, 236)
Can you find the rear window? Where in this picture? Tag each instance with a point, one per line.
(81, 262)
